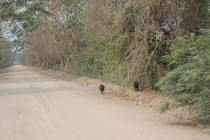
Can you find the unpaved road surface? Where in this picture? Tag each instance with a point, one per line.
(36, 107)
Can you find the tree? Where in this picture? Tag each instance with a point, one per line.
(58, 36)
(22, 16)
(6, 54)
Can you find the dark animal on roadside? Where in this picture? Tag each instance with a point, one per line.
(136, 86)
(101, 87)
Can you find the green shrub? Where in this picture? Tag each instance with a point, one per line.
(163, 107)
(6, 54)
(189, 81)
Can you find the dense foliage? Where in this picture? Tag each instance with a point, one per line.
(189, 81)
(6, 54)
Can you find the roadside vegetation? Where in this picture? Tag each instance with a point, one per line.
(6, 54)
(163, 44)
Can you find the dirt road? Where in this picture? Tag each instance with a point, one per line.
(34, 107)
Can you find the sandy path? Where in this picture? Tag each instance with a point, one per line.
(33, 107)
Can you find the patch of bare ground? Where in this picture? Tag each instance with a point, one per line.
(146, 98)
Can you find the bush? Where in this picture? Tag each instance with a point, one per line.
(189, 81)
(6, 55)
(163, 107)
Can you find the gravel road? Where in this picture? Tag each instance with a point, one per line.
(36, 107)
